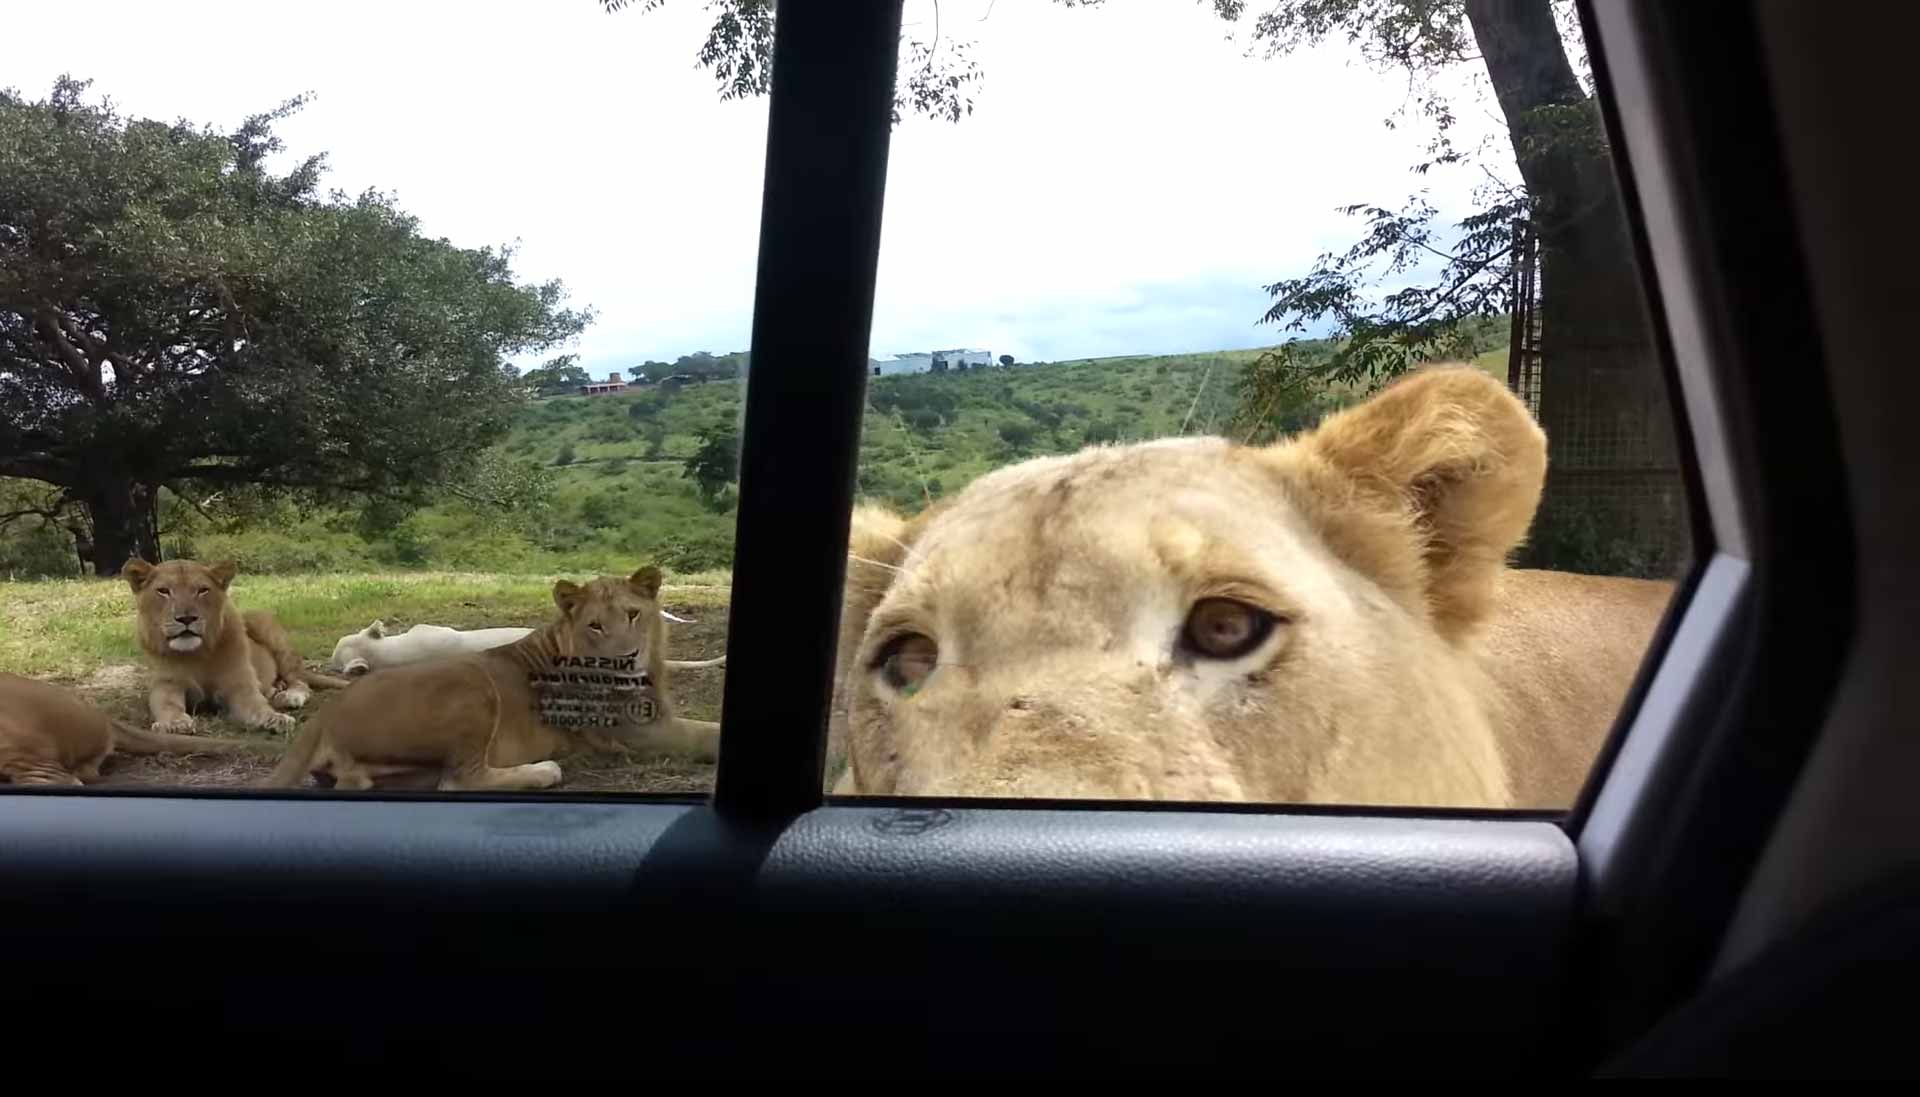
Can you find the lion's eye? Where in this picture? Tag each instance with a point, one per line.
(907, 661)
(203, 590)
(632, 616)
(595, 626)
(164, 592)
(1221, 628)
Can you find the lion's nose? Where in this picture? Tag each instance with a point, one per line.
(187, 618)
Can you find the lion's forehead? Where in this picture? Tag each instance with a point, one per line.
(1108, 508)
(180, 574)
(1093, 541)
(616, 598)
(176, 570)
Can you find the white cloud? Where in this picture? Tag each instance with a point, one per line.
(1126, 184)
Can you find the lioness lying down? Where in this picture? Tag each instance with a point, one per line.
(49, 736)
(204, 650)
(595, 678)
(375, 647)
(1327, 620)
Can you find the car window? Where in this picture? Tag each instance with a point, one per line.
(1268, 413)
(370, 401)
(1261, 407)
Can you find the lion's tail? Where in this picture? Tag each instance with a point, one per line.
(292, 770)
(136, 740)
(696, 664)
(324, 681)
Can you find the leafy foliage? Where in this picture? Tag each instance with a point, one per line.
(173, 313)
(700, 366)
(1402, 292)
(716, 463)
(558, 376)
(937, 76)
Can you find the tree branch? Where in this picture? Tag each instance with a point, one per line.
(238, 474)
(86, 375)
(190, 501)
(13, 516)
(1459, 284)
(30, 469)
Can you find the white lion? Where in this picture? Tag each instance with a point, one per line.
(372, 648)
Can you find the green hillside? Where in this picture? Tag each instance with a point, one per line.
(617, 487)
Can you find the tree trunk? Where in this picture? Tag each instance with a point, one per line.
(1615, 501)
(125, 519)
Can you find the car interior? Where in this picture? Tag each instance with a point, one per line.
(1734, 895)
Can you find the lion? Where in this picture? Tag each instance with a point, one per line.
(49, 736)
(375, 646)
(204, 650)
(1330, 619)
(593, 678)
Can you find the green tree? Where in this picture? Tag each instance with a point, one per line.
(656, 435)
(645, 407)
(173, 313)
(716, 463)
(557, 376)
(599, 511)
(1018, 435)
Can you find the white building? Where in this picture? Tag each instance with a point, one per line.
(963, 358)
(931, 362)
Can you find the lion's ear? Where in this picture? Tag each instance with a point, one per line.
(377, 630)
(1455, 455)
(646, 581)
(223, 573)
(136, 572)
(567, 595)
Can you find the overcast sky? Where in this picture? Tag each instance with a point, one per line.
(1127, 182)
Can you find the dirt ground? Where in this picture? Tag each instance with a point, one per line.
(121, 690)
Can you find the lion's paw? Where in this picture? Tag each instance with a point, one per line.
(178, 725)
(277, 721)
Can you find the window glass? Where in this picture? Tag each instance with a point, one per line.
(1315, 447)
(366, 332)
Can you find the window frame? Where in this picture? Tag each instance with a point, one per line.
(1707, 753)
(827, 142)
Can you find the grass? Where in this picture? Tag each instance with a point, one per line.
(79, 632)
(69, 628)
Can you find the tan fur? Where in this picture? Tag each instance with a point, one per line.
(49, 736)
(1410, 666)
(471, 721)
(201, 647)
